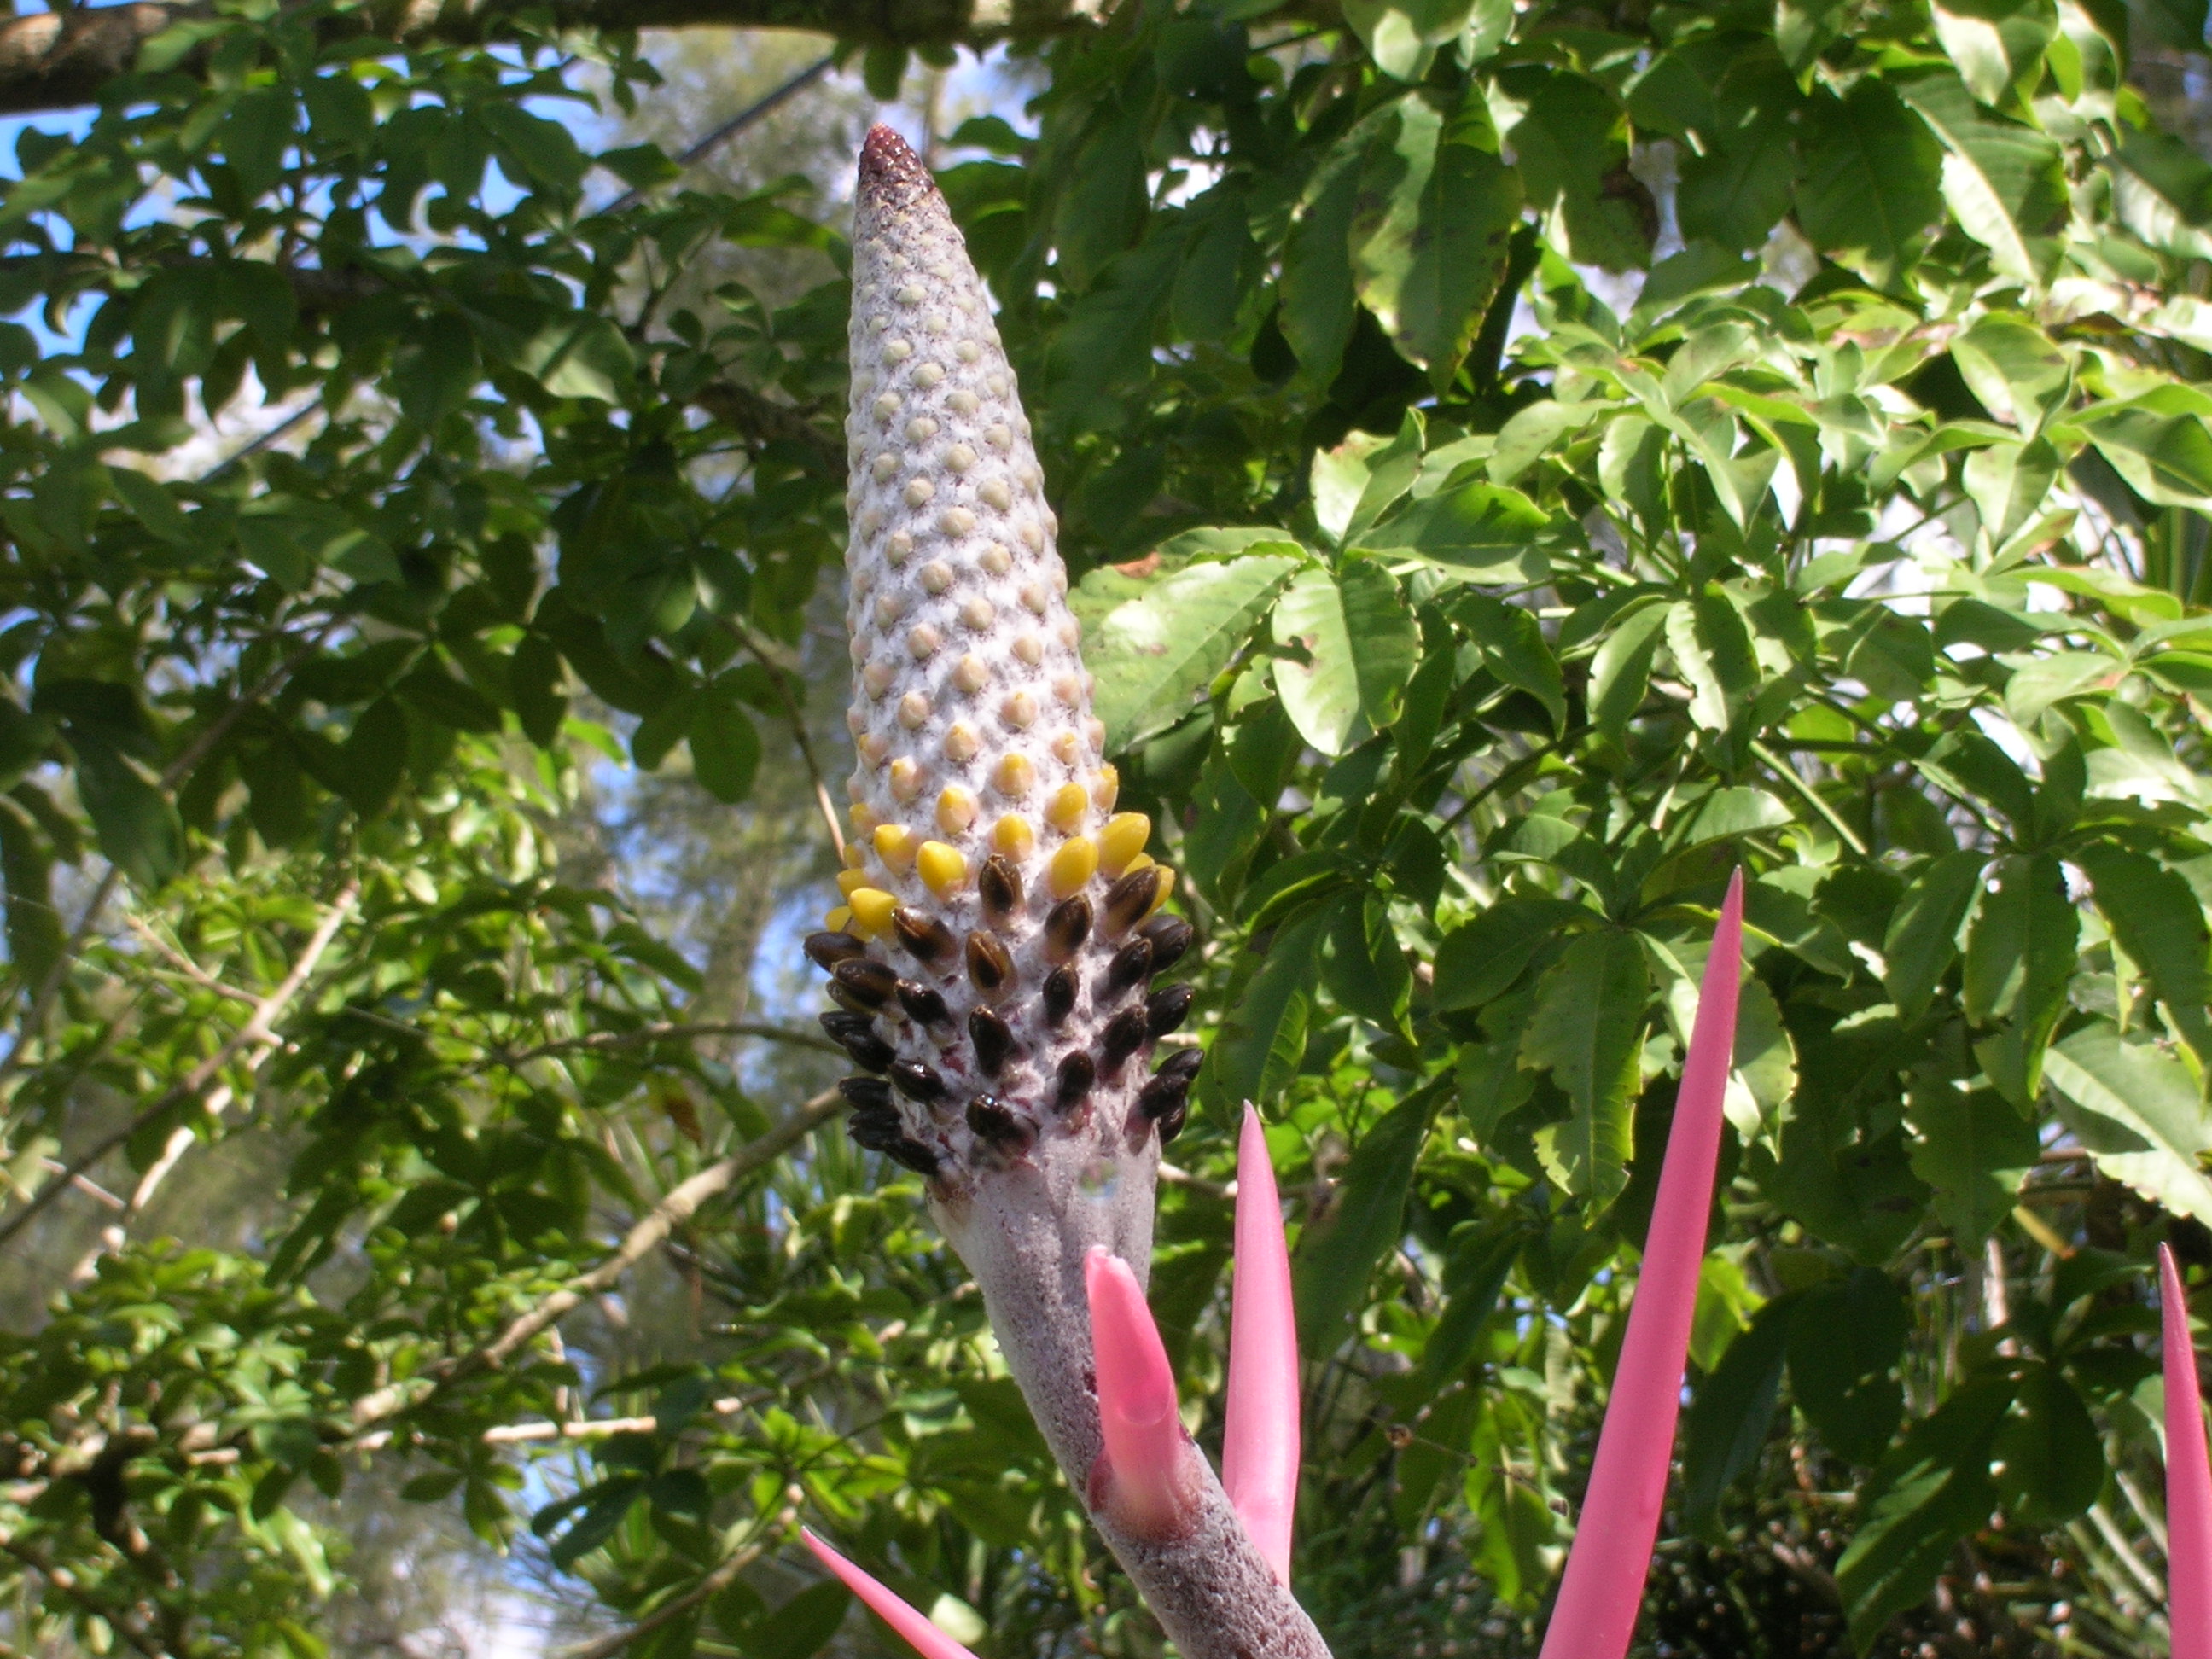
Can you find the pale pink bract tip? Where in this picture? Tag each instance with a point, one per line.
(2188, 1477)
(1147, 1455)
(1259, 1441)
(1603, 1586)
(887, 1605)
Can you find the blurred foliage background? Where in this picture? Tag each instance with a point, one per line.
(1521, 462)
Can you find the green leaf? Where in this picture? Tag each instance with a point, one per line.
(1480, 532)
(1620, 673)
(2016, 371)
(1363, 967)
(1930, 1491)
(1587, 1031)
(1923, 939)
(1478, 961)
(1263, 1037)
(1732, 1413)
(2138, 1113)
(2163, 191)
(1108, 337)
(1356, 482)
(1571, 147)
(1712, 648)
(1514, 650)
(1153, 653)
(1436, 207)
(1365, 1219)
(136, 827)
(2049, 1454)
(2008, 484)
(1318, 299)
(2004, 181)
(434, 368)
(725, 747)
(542, 152)
(2036, 685)
(2155, 916)
(33, 925)
(1846, 1338)
(1974, 1151)
(2159, 443)
(2021, 944)
(803, 1626)
(1996, 45)
(1360, 644)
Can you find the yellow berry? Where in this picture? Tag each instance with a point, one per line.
(895, 846)
(1072, 866)
(1142, 861)
(838, 920)
(1013, 835)
(942, 868)
(955, 809)
(1065, 808)
(1122, 840)
(1166, 887)
(871, 910)
(849, 880)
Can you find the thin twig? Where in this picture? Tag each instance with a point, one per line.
(254, 1033)
(735, 125)
(681, 1202)
(778, 677)
(646, 1034)
(1809, 795)
(172, 774)
(66, 1583)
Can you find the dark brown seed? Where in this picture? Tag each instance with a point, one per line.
(916, 1156)
(989, 965)
(865, 1091)
(1128, 900)
(1161, 1094)
(1071, 1084)
(1123, 1035)
(993, 1041)
(1130, 965)
(999, 886)
(1182, 1063)
(1171, 1123)
(1067, 925)
(878, 1129)
(926, 938)
(869, 1052)
(1165, 1010)
(826, 950)
(1171, 937)
(992, 1121)
(917, 1081)
(868, 979)
(1060, 986)
(922, 1003)
(850, 1003)
(843, 1024)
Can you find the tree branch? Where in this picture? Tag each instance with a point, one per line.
(597, 1040)
(58, 59)
(255, 1033)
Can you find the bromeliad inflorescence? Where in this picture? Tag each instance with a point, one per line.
(1000, 931)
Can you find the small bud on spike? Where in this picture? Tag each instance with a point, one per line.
(877, 1128)
(1071, 1083)
(989, 1120)
(993, 1041)
(990, 965)
(1162, 1094)
(865, 1091)
(1067, 925)
(842, 1024)
(1183, 1064)
(917, 1081)
(922, 1004)
(867, 980)
(826, 950)
(845, 999)
(869, 1052)
(1172, 1120)
(1000, 887)
(926, 938)
(1171, 937)
(912, 1153)
(1060, 986)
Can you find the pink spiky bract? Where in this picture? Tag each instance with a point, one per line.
(1259, 1441)
(1612, 1553)
(1145, 1475)
(2188, 1477)
(887, 1605)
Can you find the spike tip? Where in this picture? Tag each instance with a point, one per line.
(1259, 1441)
(1145, 1478)
(1606, 1569)
(924, 1637)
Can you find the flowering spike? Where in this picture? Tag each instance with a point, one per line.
(1260, 1443)
(922, 1636)
(2188, 1478)
(1145, 1478)
(1605, 1568)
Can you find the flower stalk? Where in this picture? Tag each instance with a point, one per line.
(2188, 1476)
